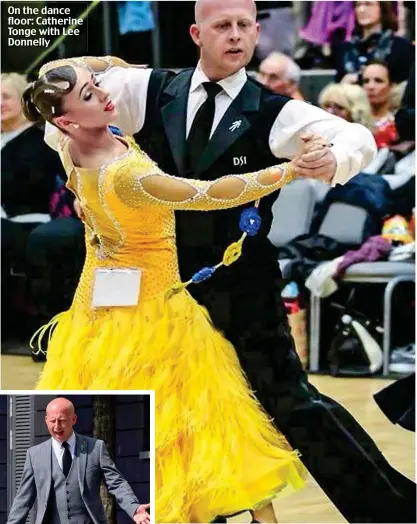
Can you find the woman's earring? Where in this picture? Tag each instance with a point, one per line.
(76, 126)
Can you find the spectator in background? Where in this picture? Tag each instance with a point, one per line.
(28, 179)
(374, 38)
(281, 74)
(32, 193)
(29, 167)
(397, 400)
(378, 85)
(329, 24)
(13, 122)
(348, 102)
(405, 118)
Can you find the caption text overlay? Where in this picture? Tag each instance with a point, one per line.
(29, 26)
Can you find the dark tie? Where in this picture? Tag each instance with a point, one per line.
(66, 459)
(200, 130)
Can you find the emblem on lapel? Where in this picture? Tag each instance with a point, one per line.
(83, 446)
(236, 124)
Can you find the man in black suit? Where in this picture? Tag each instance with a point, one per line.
(213, 120)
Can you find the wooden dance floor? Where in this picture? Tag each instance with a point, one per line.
(309, 505)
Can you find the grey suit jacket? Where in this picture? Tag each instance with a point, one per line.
(94, 463)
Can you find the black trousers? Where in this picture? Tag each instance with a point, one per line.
(336, 450)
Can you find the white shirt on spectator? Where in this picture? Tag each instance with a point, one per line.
(353, 145)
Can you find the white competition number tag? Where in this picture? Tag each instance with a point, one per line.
(116, 287)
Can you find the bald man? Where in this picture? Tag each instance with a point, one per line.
(213, 120)
(281, 75)
(63, 475)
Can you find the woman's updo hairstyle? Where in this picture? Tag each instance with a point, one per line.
(43, 99)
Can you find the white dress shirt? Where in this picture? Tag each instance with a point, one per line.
(59, 449)
(231, 85)
(353, 145)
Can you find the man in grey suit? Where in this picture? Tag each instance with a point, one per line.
(63, 475)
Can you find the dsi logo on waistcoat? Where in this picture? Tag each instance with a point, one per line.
(239, 160)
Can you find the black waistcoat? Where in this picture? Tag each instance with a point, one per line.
(238, 145)
(244, 300)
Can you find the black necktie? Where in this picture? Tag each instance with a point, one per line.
(66, 459)
(200, 130)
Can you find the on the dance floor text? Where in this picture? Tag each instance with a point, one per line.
(29, 26)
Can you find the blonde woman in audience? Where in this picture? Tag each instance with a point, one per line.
(348, 101)
(13, 121)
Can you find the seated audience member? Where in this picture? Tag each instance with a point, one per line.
(329, 24)
(28, 166)
(348, 102)
(397, 400)
(405, 118)
(28, 175)
(374, 38)
(32, 193)
(378, 85)
(281, 74)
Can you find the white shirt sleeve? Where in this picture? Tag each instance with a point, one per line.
(128, 89)
(353, 145)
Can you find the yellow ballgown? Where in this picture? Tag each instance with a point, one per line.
(216, 452)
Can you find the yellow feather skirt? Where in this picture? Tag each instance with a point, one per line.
(217, 452)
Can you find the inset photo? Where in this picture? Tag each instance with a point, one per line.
(77, 458)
